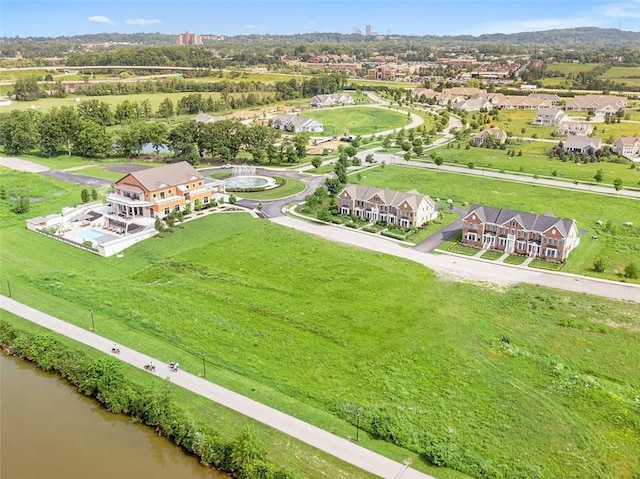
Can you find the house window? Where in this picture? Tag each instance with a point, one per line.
(205, 200)
(166, 211)
(472, 236)
(520, 244)
(170, 192)
(502, 241)
(551, 252)
(151, 213)
(154, 195)
(176, 208)
(161, 195)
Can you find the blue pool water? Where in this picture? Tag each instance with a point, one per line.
(88, 235)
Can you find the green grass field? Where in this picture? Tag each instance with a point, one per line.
(584, 207)
(357, 120)
(477, 378)
(534, 161)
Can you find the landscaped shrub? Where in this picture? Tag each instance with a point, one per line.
(352, 225)
(369, 229)
(395, 235)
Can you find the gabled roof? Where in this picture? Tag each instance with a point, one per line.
(389, 197)
(581, 142)
(551, 112)
(165, 176)
(628, 140)
(529, 221)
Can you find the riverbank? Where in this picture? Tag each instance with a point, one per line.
(76, 439)
(200, 427)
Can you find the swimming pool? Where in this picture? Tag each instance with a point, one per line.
(88, 235)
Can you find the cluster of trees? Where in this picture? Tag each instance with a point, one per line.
(84, 133)
(106, 380)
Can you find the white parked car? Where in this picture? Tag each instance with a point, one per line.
(228, 165)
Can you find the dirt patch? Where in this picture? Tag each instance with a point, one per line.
(329, 145)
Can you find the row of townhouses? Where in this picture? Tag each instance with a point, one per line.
(509, 231)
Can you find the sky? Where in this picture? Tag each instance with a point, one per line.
(238, 17)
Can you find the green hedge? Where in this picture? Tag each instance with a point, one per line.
(391, 234)
(104, 379)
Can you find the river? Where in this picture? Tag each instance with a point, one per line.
(48, 430)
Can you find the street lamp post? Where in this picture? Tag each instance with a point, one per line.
(204, 366)
(357, 426)
(9, 286)
(93, 324)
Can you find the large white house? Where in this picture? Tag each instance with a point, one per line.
(377, 204)
(549, 117)
(332, 99)
(297, 124)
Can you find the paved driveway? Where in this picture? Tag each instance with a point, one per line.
(22, 165)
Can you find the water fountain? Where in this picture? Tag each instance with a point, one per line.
(243, 170)
(243, 177)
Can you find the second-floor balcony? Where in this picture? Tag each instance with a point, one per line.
(127, 200)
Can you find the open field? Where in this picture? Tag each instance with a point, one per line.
(628, 75)
(481, 379)
(585, 208)
(574, 68)
(155, 99)
(534, 161)
(357, 120)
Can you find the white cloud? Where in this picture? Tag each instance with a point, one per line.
(250, 26)
(142, 21)
(100, 19)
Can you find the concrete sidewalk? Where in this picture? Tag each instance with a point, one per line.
(336, 446)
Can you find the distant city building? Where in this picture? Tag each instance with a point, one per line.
(368, 29)
(187, 38)
(357, 31)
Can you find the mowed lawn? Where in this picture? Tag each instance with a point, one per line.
(586, 208)
(535, 161)
(357, 120)
(482, 379)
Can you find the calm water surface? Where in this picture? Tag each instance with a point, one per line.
(49, 431)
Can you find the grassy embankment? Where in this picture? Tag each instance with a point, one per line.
(291, 454)
(475, 378)
(535, 161)
(617, 249)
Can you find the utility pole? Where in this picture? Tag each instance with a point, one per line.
(9, 286)
(204, 366)
(93, 324)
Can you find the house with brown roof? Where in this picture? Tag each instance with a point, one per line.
(627, 146)
(515, 232)
(156, 192)
(377, 204)
(490, 136)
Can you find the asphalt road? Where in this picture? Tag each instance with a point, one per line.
(305, 432)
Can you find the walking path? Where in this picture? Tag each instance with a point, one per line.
(22, 165)
(305, 432)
